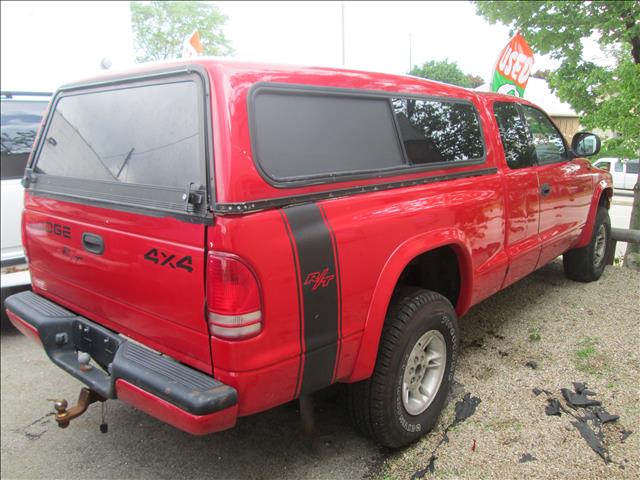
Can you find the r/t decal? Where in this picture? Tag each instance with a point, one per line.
(319, 279)
(166, 259)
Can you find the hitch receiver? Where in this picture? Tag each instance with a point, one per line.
(86, 398)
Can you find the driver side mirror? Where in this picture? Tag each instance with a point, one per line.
(585, 144)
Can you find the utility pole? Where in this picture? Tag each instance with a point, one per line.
(342, 11)
(410, 62)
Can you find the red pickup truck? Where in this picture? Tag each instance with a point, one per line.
(209, 239)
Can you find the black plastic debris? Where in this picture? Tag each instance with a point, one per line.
(527, 457)
(625, 435)
(532, 365)
(605, 417)
(580, 387)
(430, 468)
(466, 407)
(588, 415)
(576, 400)
(553, 407)
(592, 439)
(537, 391)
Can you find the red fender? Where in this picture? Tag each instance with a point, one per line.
(388, 280)
(603, 187)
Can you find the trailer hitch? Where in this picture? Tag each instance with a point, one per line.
(86, 398)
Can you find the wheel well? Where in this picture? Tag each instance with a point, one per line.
(605, 198)
(435, 270)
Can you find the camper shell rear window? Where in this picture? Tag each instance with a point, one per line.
(138, 144)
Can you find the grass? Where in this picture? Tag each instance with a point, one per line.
(534, 334)
(588, 358)
(587, 347)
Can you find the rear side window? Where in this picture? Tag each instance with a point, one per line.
(618, 167)
(301, 135)
(147, 135)
(633, 167)
(20, 122)
(514, 135)
(309, 134)
(435, 131)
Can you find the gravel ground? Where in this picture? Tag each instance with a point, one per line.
(574, 332)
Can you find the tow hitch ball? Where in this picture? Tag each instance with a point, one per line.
(86, 398)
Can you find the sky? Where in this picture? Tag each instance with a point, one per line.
(377, 34)
(46, 44)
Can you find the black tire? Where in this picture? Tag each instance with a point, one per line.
(375, 405)
(585, 264)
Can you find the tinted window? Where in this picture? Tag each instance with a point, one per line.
(547, 141)
(304, 134)
(147, 135)
(633, 167)
(20, 122)
(618, 167)
(434, 131)
(604, 166)
(514, 135)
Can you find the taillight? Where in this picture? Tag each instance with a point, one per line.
(233, 298)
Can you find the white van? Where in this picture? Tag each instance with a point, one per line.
(624, 172)
(21, 116)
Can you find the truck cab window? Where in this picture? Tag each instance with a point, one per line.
(547, 141)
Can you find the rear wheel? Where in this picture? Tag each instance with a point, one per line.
(416, 361)
(586, 264)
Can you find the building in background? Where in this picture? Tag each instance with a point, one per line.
(47, 44)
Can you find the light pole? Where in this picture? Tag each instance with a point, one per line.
(342, 18)
(410, 62)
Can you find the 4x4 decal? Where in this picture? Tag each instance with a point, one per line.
(161, 258)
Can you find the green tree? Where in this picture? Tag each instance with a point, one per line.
(448, 72)
(160, 27)
(607, 96)
(542, 74)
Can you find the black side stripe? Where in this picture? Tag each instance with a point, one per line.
(317, 280)
(296, 269)
(338, 286)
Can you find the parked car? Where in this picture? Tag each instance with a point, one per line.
(21, 116)
(209, 239)
(625, 173)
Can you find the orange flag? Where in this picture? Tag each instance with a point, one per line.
(191, 46)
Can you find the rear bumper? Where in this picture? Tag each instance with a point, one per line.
(157, 385)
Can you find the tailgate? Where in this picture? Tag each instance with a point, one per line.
(116, 211)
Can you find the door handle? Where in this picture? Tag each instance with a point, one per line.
(93, 243)
(545, 189)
